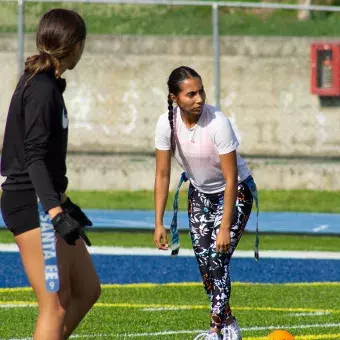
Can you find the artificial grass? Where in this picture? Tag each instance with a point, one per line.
(308, 311)
(267, 241)
(270, 200)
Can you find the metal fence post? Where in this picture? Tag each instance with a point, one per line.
(216, 42)
(20, 37)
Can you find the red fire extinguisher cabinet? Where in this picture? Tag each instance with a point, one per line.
(325, 68)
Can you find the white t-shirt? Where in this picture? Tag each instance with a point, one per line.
(198, 148)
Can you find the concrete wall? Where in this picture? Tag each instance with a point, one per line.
(133, 172)
(118, 90)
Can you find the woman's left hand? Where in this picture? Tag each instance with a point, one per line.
(223, 240)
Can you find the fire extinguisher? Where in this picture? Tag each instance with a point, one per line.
(327, 73)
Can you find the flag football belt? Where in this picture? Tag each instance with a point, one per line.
(249, 181)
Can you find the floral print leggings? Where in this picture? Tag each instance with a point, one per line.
(205, 215)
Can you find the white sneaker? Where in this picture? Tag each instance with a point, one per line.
(209, 336)
(232, 331)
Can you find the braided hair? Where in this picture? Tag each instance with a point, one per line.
(171, 121)
(177, 76)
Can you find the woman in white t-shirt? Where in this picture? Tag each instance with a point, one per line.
(220, 194)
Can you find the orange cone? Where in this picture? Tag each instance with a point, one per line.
(280, 335)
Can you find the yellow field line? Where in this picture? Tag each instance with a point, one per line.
(318, 337)
(240, 308)
(199, 284)
(303, 337)
(13, 290)
(298, 284)
(186, 284)
(153, 285)
(187, 307)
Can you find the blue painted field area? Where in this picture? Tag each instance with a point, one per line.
(157, 269)
(281, 222)
(160, 269)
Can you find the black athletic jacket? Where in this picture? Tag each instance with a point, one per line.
(35, 140)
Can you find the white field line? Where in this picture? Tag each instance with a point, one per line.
(320, 228)
(18, 305)
(154, 309)
(139, 251)
(256, 328)
(309, 314)
(160, 309)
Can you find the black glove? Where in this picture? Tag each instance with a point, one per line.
(69, 229)
(75, 212)
(66, 227)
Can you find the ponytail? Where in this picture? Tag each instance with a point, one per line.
(42, 62)
(59, 31)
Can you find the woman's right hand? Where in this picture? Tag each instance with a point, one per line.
(54, 212)
(69, 229)
(160, 238)
(66, 227)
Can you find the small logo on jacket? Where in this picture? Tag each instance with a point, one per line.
(64, 118)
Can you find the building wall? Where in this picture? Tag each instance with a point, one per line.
(118, 90)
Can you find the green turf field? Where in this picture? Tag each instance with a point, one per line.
(178, 311)
(270, 200)
(142, 311)
(176, 20)
(267, 241)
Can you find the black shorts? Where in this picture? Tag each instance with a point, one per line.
(20, 210)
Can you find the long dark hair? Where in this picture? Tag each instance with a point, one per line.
(58, 33)
(177, 76)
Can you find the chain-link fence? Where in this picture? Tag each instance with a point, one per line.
(117, 92)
